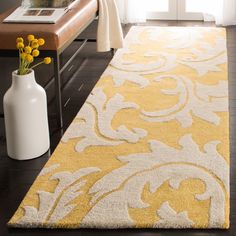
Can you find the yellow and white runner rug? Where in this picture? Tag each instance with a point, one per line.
(150, 147)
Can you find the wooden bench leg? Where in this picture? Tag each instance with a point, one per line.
(56, 60)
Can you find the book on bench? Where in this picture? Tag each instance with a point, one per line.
(40, 11)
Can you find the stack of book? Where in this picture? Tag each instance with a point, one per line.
(40, 11)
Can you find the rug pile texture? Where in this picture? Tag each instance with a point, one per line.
(150, 146)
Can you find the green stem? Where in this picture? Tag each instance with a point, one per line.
(37, 64)
(19, 60)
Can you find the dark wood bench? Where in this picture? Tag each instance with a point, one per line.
(58, 37)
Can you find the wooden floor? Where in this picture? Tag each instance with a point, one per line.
(17, 177)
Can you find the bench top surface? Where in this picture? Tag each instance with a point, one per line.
(56, 35)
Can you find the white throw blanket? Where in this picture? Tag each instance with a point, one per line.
(109, 34)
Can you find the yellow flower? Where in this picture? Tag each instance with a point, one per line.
(28, 49)
(20, 45)
(35, 41)
(23, 55)
(29, 52)
(47, 60)
(41, 42)
(30, 37)
(29, 58)
(19, 40)
(35, 44)
(35, 53)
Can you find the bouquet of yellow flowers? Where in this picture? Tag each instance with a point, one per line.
(28, 53)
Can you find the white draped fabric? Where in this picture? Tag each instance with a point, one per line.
(222, 11)
(109, 33)
(225, 13)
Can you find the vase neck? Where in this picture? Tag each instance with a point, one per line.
(23, 81)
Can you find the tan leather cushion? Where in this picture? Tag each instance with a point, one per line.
(56, 35)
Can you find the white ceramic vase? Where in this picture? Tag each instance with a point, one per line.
(26, 120)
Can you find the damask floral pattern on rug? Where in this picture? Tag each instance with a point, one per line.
(150, 146)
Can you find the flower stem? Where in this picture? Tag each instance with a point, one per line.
(37, 64)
